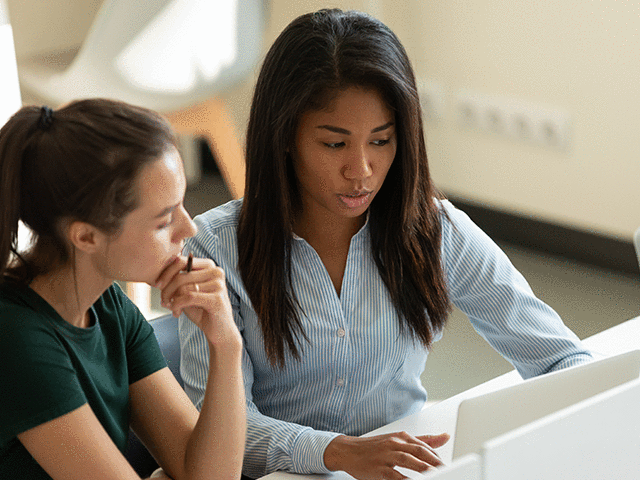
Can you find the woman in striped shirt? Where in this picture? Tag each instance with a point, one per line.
(342, 261)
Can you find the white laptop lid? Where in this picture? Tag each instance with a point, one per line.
(490, 415)
(598, 438)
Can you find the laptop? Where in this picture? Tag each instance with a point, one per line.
(492, 414)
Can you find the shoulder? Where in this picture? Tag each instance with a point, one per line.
(466, 249)
(449, 214)
(18, 311)
(115, 297)
(114, 303)
(463, 239)
(219, 218)
(217, 232)
(456, 224)
(119, 317)
(26, 329)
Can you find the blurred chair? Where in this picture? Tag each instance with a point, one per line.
(166, 331)
(174, 56)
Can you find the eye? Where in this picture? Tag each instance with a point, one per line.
(334, 145)
(381, 143)
(166, 224)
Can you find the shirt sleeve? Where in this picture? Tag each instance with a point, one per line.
(37, 380)
(271, 444)
(500, 303)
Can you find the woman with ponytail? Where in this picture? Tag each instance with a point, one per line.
(100, 184)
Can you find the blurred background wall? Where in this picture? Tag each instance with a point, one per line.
(578, 57)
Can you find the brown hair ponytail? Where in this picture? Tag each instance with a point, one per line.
(80, 163)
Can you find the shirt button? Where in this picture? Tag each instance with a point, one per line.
(340, 382)
(341, 332)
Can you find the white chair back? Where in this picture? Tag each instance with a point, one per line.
(105, 63)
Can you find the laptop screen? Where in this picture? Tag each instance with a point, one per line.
(487, 416)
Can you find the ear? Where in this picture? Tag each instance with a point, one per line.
(84, 236)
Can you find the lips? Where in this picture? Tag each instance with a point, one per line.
(355, 199)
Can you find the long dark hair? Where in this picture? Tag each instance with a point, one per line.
(76, 163)
(317, 55)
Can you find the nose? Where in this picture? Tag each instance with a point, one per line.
(358, 165)
(187, 228)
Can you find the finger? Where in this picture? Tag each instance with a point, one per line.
(185, 292)
(186, 299)
(409, 440)
(211, 296)
(203, 272)
(419, 457)
(178, 264)
(435, 441)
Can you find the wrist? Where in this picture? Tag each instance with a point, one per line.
(228, 352)
(335, 453)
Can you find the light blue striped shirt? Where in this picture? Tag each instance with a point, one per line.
(359, 372)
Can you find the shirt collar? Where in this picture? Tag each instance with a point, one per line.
(362, 229)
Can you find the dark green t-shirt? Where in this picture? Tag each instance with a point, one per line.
(49, 368)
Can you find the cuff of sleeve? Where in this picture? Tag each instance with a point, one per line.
(572, 361)
(308, 451)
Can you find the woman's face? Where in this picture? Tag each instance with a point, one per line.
(152, 235)
(342, 155)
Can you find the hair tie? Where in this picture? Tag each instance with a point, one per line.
(46, 118)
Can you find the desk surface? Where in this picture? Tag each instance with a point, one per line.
(441, 417)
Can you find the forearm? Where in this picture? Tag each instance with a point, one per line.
(215, 449)
(276, 445)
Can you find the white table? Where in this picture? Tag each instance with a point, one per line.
(441, 417)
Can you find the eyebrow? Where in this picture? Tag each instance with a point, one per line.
(344, 131)
(166, 211)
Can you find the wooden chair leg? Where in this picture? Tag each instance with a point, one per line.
(210, 120)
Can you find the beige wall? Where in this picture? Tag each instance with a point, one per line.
(578, 55)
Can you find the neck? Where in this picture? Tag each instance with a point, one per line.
(69, 294)
(328, 230)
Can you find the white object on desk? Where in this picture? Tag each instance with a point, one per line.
(594, 439)
(495, 413)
